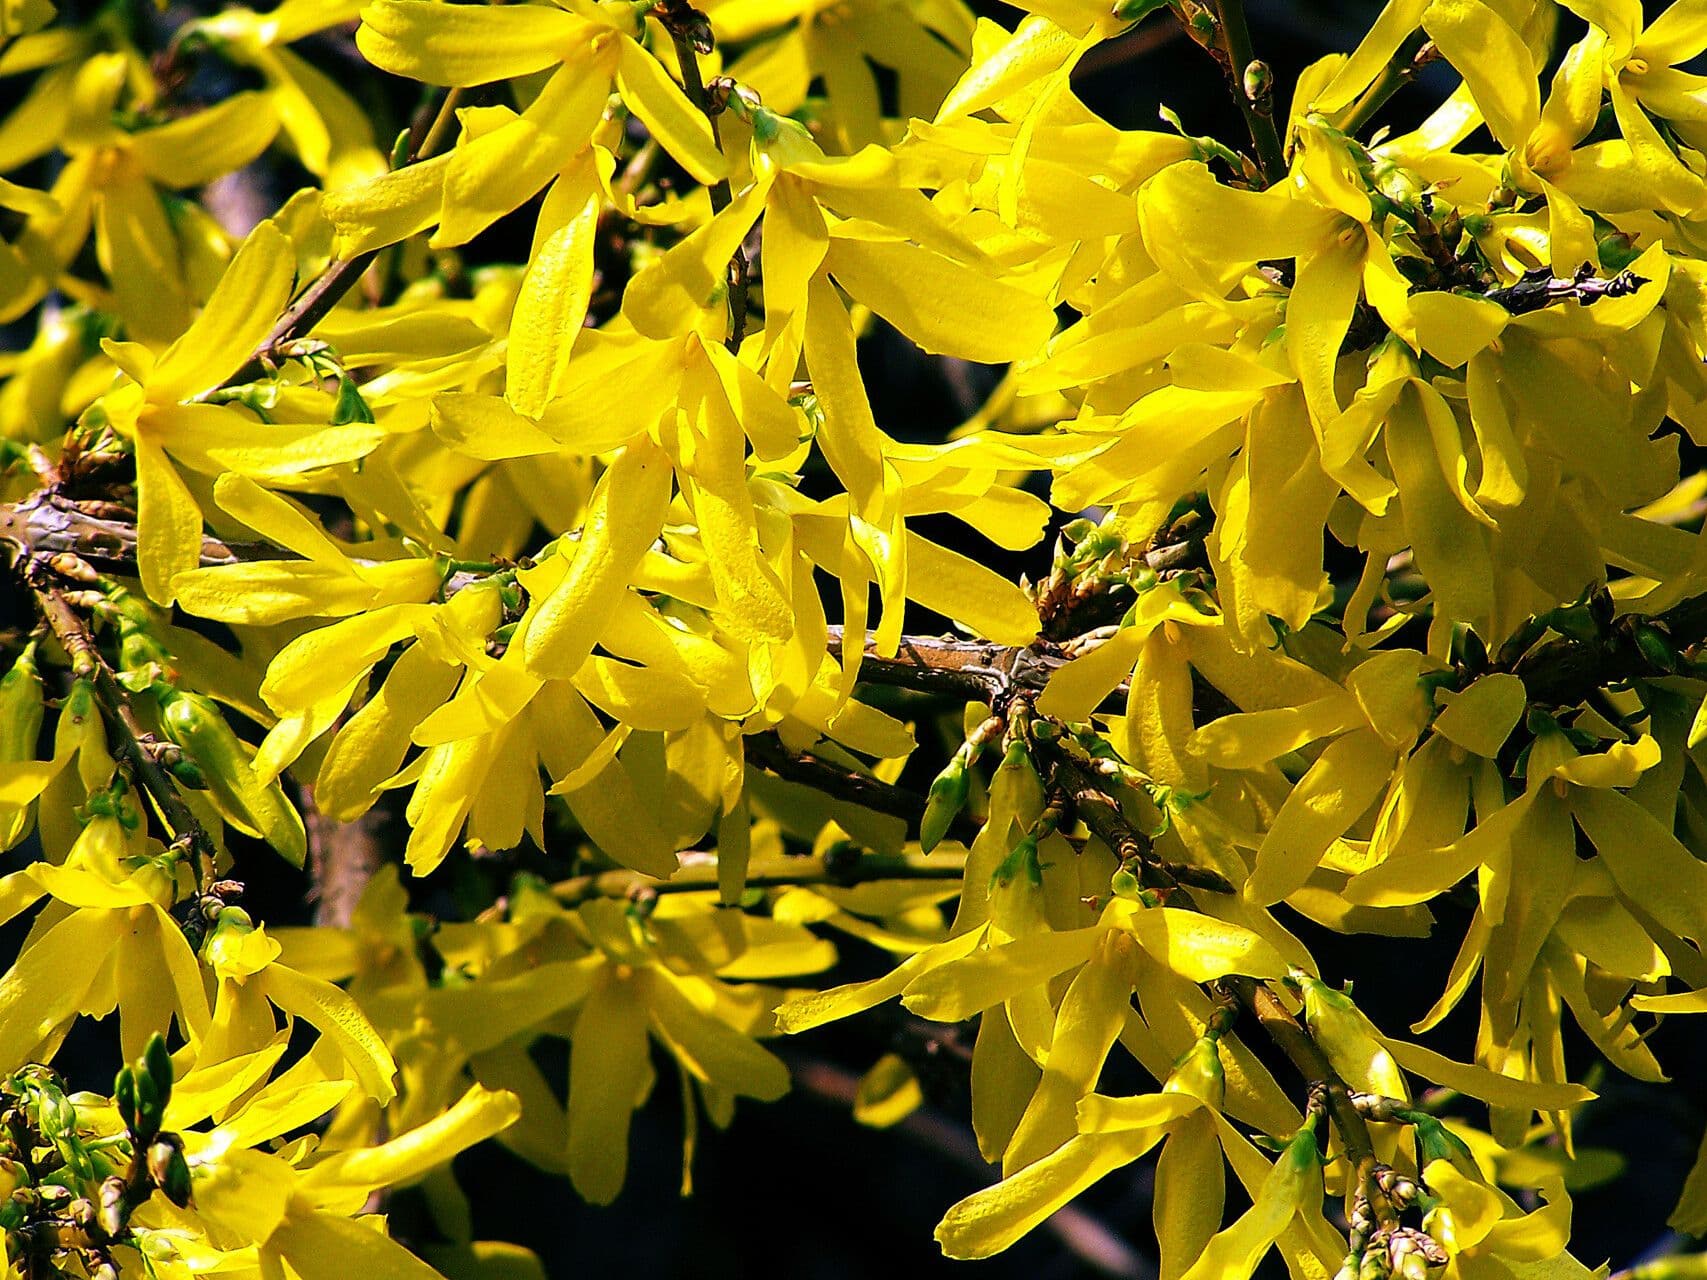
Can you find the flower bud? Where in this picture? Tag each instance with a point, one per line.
(1349, 1039)
(1656, 647)
(1439, 1143)
(158, 1063)
(350, 406)
(1132, 11)
(112, 1214)
(1021, 861)
(947, 795)
(1199, 1072)
(124, 1096)
(1259, 80)
(168, 1171)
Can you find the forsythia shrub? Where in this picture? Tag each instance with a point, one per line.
(1377, 582)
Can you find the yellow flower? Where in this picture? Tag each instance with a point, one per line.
(111, 180)
(502, 159)
(159, 412)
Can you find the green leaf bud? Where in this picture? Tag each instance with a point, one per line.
(947, 796)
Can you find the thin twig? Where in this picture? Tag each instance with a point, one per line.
(1256, 101)
(315, 303)
(131, 737)
(768, 873)
(310, 308)
(1410, 57)
(1292, 1039)
(1101, 813)
(690, 33)
(833, 779)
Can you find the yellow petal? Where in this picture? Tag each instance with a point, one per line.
(338, 1017)
(623, 518)
(679, 127)
(320, 1246)
(244, 307)
(1342, 783)
(168, 523)
(989, 1221)
(193, 150)
(552, 304)
(957, 991)
(466, 45)
(1495, 64)
(608, 1067)
(964, 590)
(1482, 717)
(946, 307)
(1491, 1087)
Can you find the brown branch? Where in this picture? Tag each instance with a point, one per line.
(1558, 671)
(767, 873)
(1291, 1038)
(131, 737)
(310, 308)
(1411, 56)
(690, 33)
(767, 751)
(1101, 813)
(975, 670)
(1251, 88)
(342, 857)
(315, 302)
(45, 523)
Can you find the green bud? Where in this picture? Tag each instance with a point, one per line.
(189, 773)
(1259, 80)
(150, 1108)
(158, 1063)
(1617, 250)
(167, 1169)
(349, 406)
(57, 1118)
(1656, 647)
(400, 149)
(124, 1096)
(947, 796)
(1574, 621)
(1199, 1073)
(1021, 861)
(1438, 1142)
(1123, 884)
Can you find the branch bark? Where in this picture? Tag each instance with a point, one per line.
(130, 736)
(767, 873)
(690, 33)
(1292, 1039)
